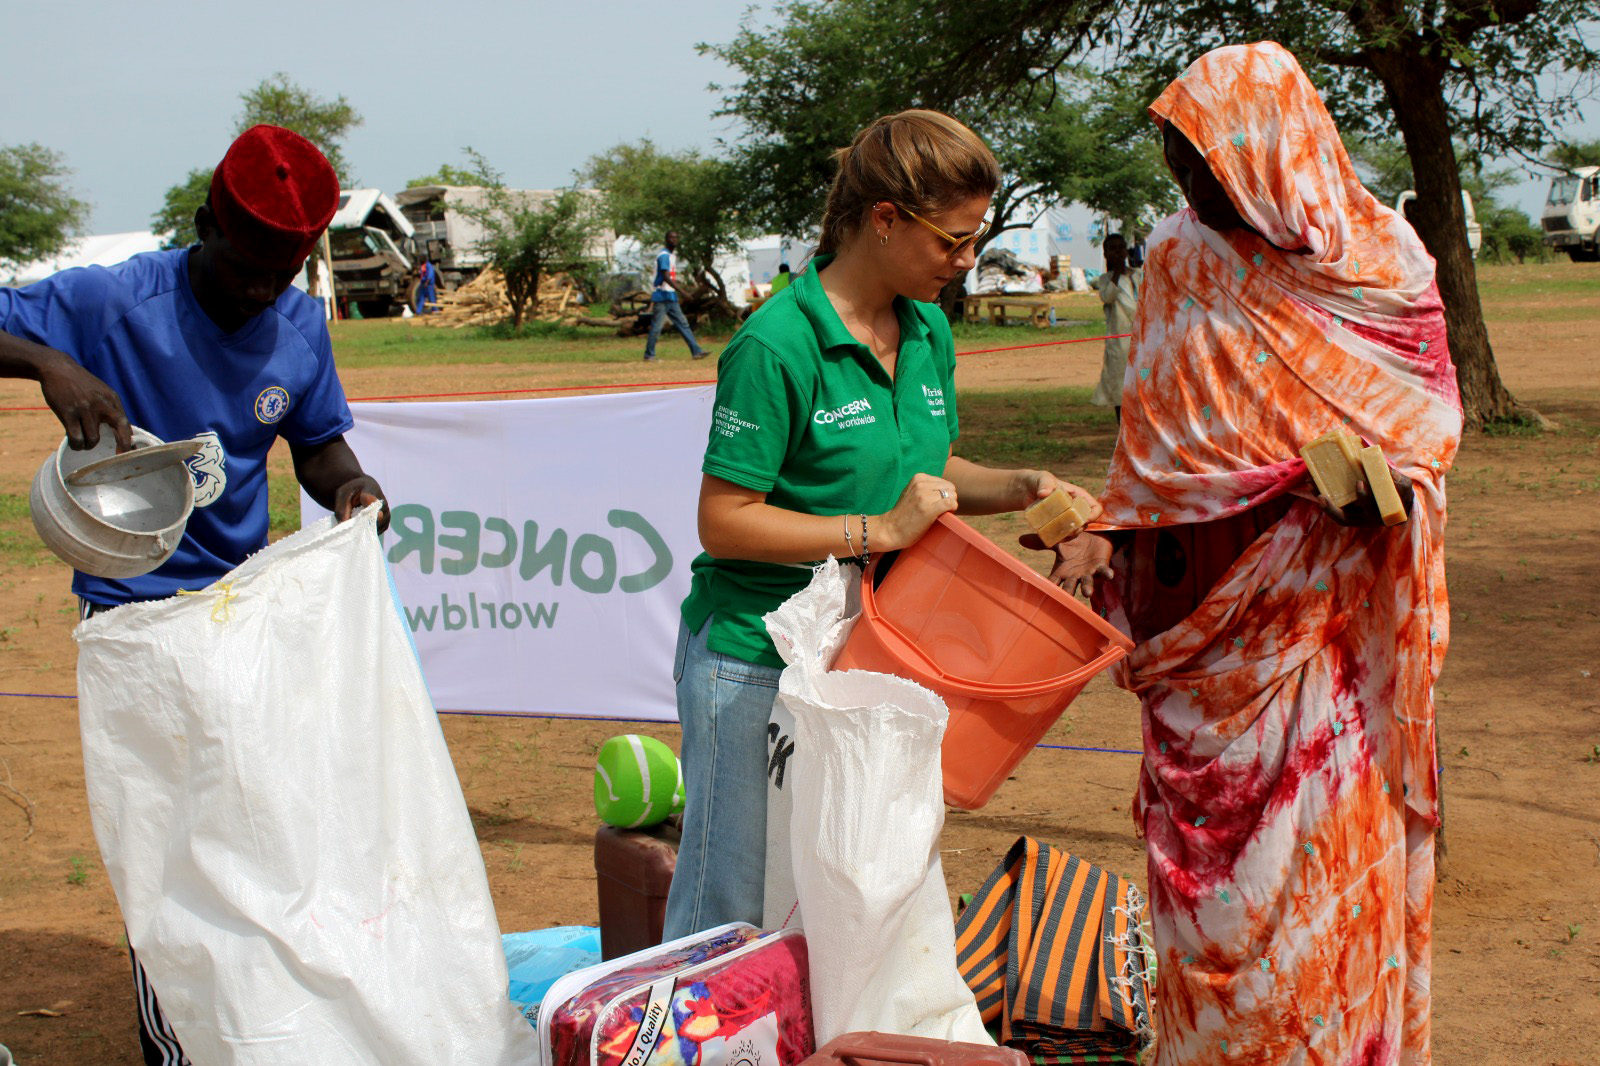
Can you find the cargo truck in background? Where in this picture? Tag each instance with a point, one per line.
(444, 233)
(446, 230)
(371, 243)
(1571, 218)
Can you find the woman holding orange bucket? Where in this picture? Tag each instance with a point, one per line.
(1285, 650)
(832, 435)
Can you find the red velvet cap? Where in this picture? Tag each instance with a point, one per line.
(273, 194)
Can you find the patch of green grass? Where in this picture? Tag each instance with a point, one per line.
(395, 342)
(22, 548)
(1514, 426)
(983, 335)
(368, 343)
(1043, 429)
(283, 505)
(80, 871)
(1512, 284)
(14, 507)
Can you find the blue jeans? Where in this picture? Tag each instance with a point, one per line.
(664, 309)
(724, 705)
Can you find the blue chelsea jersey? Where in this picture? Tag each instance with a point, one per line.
(138, 327)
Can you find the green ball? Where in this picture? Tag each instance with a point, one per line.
(638, 782)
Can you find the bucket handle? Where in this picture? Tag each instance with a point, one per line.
(910, 1058)
(929, 671)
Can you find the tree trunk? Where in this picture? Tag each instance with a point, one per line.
(1415, 86)
(519, 286)
(713, 281)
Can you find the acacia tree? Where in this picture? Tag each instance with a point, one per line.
(1500, 74)
(325, 123)
(824, 70)
(175, 221)
(644, 192)
(38, 213)
(279, 102)
(451, 175)
(528, 235)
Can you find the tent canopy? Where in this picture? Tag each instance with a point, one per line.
(107, 249)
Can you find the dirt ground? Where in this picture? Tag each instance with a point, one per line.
(1517, 916)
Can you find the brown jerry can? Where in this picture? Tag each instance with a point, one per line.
(871, 1049)
(633, 871)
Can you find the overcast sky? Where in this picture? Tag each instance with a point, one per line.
(137, 94)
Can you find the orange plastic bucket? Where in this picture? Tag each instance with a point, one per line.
(1005, 648)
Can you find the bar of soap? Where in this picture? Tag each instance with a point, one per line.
(1058, 516)
(1332, 466)
(1384, 493)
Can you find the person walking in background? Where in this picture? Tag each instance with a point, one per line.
(781, 279)
(664, 302)
(833, 435)
(1118, 287)
(1285, 650)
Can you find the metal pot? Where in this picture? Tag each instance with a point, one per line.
(114, 516)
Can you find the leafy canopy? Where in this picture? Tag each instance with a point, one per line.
(325, 123)
(526, 236)
(467, 176)
(38, 213)
(175, 220)
(278, 102)
(645, 192)
(1571, 154)
(824, 70)
(1501, 75)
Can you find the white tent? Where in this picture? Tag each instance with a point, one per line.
(107, 249)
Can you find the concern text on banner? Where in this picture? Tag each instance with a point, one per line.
(540, 548)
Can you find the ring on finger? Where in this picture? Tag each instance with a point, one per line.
(944, 494)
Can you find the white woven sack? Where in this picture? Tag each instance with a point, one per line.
(868, 808)
(282, 824)
(827, 627)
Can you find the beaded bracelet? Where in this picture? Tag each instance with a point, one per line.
(866, 556)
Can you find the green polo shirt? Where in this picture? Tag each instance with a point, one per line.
(807, 414)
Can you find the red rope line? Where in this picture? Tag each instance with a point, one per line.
(637, 384)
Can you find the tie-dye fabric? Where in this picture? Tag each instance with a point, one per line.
(1288, 794)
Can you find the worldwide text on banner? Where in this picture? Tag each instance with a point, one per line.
(541, 548)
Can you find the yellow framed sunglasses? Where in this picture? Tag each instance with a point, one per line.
(957, 244)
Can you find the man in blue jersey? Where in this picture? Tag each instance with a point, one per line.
(212, 342)
(664, 302)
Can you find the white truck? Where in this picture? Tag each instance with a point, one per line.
(371, 243)
(1402, 205)
(447, 230)
(1571, 218)
(442, 233)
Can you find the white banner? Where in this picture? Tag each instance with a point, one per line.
(541, 548)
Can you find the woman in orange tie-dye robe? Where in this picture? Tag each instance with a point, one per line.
(1286, 651)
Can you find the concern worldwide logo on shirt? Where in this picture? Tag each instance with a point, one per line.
(854, 413)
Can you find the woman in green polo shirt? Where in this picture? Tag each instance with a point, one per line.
(832, 434)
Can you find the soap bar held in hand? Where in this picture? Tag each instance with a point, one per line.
(1058, 516)
(1332, 462)
(1384, 494)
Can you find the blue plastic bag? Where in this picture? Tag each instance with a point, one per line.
(535, 960)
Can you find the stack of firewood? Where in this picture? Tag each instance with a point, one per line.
(483, 302)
